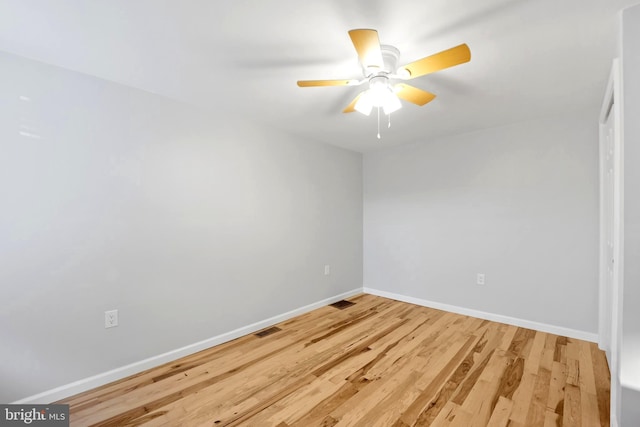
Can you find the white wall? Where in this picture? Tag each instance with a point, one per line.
(190, 224)
(630, 364)
(518, 203)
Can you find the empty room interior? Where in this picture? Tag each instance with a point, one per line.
(350, 213)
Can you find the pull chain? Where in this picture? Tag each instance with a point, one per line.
(389, 125)
(378, 122)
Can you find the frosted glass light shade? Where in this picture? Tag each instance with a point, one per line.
(379, 95)
(391, 103)
(364, 104)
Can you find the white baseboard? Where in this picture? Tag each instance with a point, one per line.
(85, 384)
(543, 327)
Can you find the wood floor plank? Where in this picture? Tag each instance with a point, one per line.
(572, 415)
(534, 357)
(318, 414)
(588, 393)
(602, 378)
(538, 406)
(522, 398)
(241, 406)
(507, 337)
(446, 416)
(501, 412)
(397, 403)
(437, 377)
(345, 370)
(487, 384)
(552, 419)
(377, 362)
(483, 349)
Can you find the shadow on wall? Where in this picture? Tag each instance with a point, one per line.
(631, 407)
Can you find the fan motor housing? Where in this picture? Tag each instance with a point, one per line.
(390, 57)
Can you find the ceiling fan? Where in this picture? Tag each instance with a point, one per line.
(380, 67)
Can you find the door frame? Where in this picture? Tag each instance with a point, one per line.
(610, 299)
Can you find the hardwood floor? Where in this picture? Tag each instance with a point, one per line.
(377, 362)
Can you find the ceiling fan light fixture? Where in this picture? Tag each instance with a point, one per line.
(380, 66)
(380, 94)
(378, 86)
(365, 103)
(392, 103)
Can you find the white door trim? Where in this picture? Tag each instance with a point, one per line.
(610, 306)
(605, 306)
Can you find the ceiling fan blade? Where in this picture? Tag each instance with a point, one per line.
(313, 83)
(351, 107)
(445, 59)
(413, 94)
(367, 45)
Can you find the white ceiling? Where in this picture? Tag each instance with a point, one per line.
(530, 58)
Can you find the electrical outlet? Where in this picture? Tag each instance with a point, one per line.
(480, 279)
(327, 270)
(111, 319)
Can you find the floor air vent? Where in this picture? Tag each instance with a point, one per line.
(268, 331)
(342, 304)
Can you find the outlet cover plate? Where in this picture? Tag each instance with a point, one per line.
(111, 319)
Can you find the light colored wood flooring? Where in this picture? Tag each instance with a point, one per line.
(377, 362)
